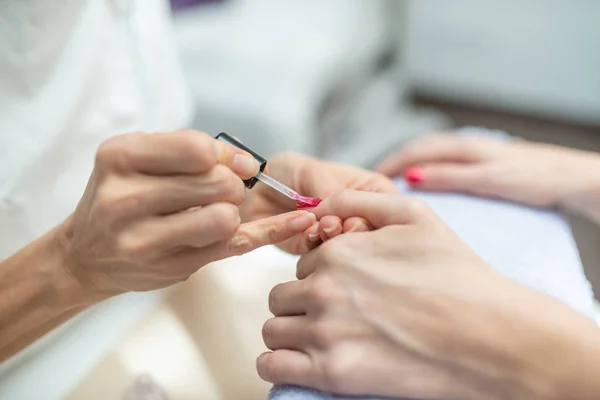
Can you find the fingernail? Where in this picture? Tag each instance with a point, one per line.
(414, 175)
(329, 230)
(358, 226)
(245, 165)
(303, 222)
(314, 237)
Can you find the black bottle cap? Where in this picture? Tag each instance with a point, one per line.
(261, 161)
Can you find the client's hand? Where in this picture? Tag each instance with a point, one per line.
(410, 311)
(315, 178)
(531, 173)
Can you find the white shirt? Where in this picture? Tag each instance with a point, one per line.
(73, 73)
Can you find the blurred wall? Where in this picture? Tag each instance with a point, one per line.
(539, 57)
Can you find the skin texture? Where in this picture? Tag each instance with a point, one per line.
(536, 174)
(313, 177)
(409, 311)
(157, 208)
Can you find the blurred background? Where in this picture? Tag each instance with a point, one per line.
(352, 81)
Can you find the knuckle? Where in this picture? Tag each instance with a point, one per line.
(342, 198)
(349, 249)
(201, 147)
(322, 335)
(270, 369)
(334, 369)
(267, 332)
(114, 150)
(109, 146)
(225, 218)
(228, 186)
(240, 245)
(417, 207)
(112, 202)
(301, 268)
(274, 298)
(331, 251)
(274, 233)
(323, 291)
(129, 246)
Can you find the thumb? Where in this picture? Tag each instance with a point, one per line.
(239, 161)
(379, 209)
(252, 235)
(447, 177)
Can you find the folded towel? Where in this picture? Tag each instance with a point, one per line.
(533, 247)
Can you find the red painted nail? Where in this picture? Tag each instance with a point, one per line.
(414, 175)
(307, 202)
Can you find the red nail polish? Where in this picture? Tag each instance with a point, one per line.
(307, 202)
(414, 175)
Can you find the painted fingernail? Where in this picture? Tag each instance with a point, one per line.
(245, 165)
(303, 222)
(414, 175)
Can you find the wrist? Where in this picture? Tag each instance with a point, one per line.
(570, 370)
(70, 290)
(36, 293)
(582, 185)
(541, 349)
(556, 353)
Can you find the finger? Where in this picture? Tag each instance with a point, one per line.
(271, 230)
(286, 367)
(312, 234)
(161, 153)
(302, 243)
(448, 177)
(181, 152)
(287, 299)
(286, 333)
(434, 148)
(305, 269)
(151, 195)
(356, 224)
(377, 208)
(199, 228)
(239, 161)
(329, 227)
(375, 182)
(248, 237)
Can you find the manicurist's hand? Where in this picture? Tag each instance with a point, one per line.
(157, 208)
(313, 177)
(160, 206)
(526, 172)
(409, 311)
